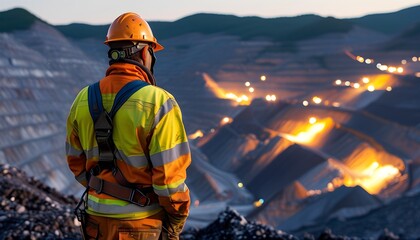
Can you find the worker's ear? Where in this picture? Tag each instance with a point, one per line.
(145, 56)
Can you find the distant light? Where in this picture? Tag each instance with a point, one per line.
(306, 103)
(312, 120)
(336, 104)
(360, 59)
(251, 89)
(196, 203)
(226, 119)
(368, 61)
(259, 203)
(212, 130)
(263, 78)
(273, 97)
(196, 135)
(418, 74)
(347, 83)
(404, 61)
(365, 80)
(389, 89)
(356, 85)
(392, 69)
(330, 187)
(338, 82)
(317, 100)
(379, 65)
(400, 69)
(240, 185)
(247, 84)
(270, 98)
(371, 88)
(414, 59)
(383, 68)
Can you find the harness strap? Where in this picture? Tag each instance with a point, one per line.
(141, 197)
(103, 125)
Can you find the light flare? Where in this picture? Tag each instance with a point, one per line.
(374, 178)
(317, 100)
(226, 120)
(308, 135)
(196, 135)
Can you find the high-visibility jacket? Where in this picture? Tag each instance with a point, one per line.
(150, 119)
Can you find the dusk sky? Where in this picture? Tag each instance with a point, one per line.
(104, 12)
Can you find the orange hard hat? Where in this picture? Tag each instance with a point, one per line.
(131, 27)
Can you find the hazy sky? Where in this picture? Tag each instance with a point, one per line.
(105, 11)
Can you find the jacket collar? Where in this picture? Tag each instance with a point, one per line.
(127, 69)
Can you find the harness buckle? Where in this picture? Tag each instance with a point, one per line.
(139, 202)
(101, 186)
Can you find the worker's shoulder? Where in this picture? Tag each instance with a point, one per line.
(82, 94)
(158, 92)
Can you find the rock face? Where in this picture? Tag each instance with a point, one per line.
(31, 210)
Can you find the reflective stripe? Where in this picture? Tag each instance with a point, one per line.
(168, 190)
(115, 206)
(134, 161)
(164, 109)
(71, 151)
(82, 177)
(90, 153)
(167, 156)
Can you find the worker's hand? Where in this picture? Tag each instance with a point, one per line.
(168, 234)
(164, 235)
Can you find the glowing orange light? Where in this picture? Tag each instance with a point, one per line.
(259, 203)
(336, 104)
(360, 59)
(365, 80)
(196, 135)
(389, 89)
(317, 100)
(309, 135)
(373, 178)
(226, 120)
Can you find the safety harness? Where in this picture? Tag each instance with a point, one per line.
(103, 126)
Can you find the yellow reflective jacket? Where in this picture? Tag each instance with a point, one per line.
(151, 118)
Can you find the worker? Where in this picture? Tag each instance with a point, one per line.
(135, 171)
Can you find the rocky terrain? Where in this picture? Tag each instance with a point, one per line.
(31, 210)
